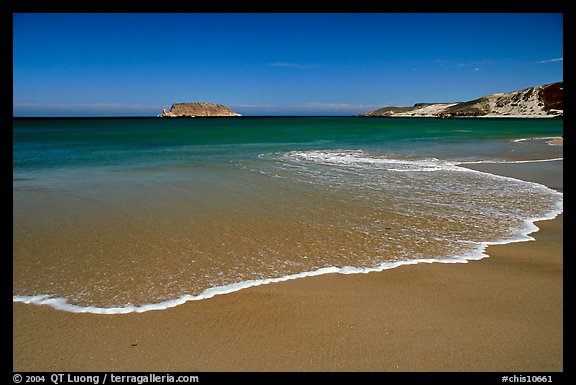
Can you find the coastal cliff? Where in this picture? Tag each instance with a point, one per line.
(540, 101)
(192, 109)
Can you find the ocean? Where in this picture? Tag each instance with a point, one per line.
(123, 215)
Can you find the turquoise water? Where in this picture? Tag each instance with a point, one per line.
(121, 215)
(65, 143)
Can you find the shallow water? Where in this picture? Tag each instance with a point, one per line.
(121, 215)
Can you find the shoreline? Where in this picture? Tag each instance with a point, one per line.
(331, 322)
(479, 253)
(61, 304)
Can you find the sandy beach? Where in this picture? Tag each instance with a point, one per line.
(502, 313)
(201, 195)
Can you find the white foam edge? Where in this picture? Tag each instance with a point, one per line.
(479, 253)
(530, 227)
(549, 138)
(509, 161)
(342, 157)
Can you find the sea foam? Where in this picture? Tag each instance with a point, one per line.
(349, 158)
(479, 253)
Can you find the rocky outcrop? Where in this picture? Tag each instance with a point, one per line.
(193, 109)
(540, 101)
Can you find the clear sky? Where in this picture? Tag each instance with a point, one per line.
(275, 64)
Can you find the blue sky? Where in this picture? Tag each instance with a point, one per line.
(275, 64)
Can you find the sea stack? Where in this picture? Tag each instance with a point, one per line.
(193, 109)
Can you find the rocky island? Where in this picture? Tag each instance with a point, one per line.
(193, 109)
(540, 101)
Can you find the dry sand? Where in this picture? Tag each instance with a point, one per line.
(502, 313)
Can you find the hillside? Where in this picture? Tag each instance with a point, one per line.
(540, 101)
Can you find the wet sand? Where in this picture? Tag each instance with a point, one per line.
(502, 313)
(557, 141)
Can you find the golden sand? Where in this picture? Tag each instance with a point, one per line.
(502, 313)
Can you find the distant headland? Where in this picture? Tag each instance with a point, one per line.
(545, 101)
(193, 109)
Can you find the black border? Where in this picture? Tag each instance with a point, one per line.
(8, 7)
